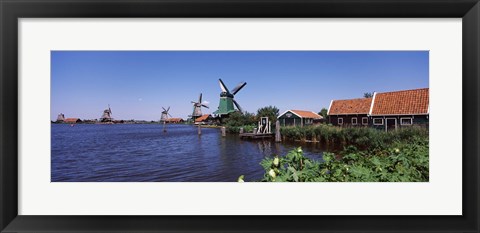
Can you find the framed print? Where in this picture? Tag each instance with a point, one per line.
(320, 116)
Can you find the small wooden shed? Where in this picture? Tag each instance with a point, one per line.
(299, 118)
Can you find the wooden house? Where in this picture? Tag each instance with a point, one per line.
(204, 119)
(351, 112)
(299, 118)
(386, 111)
(392, 110)
(174, 120)
(72, 120)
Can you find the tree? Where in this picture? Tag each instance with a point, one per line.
(271, 112)
(368, 95)
(237, 119)
(323, 113)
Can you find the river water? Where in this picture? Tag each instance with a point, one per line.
(144, 153)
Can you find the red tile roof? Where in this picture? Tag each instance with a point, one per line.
(401, 102)
(71, 120)
(306, 114)
(202, 118)
(174, 120)
(351, 106)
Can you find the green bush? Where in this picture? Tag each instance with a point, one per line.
(402, 162)
(237, 120)
(369, 155)
(361, 137)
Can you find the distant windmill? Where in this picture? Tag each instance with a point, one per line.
(165, 114)
(225, 106)
(164, 117)
(107, 115)
(60, 118)
(197, 108)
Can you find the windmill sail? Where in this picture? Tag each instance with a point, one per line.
(238, 106)
(223, 87)
(238, 88)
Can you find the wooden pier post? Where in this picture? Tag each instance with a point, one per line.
(241, 130)
(278, 137)
(224, 131)
(199, 130)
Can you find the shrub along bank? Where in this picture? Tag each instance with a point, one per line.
(369, 155)
(362, 138)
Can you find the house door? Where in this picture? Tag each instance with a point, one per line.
(391, 124)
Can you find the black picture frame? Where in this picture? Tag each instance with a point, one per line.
(11, 11)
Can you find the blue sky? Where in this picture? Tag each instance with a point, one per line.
(137, 84)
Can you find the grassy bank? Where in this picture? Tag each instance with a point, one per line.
(369, 155)
(362, 138)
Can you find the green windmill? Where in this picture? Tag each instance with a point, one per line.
(226, 105)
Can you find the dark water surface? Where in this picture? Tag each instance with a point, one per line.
(142, 152)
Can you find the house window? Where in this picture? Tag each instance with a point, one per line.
(340, 121)
(364, 120)
(378, 121)
(406, 121)
(354, 121)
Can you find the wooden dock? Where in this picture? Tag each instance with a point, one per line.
(256, 135)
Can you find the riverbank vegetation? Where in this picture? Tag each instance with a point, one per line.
(248, 121)
(361, 137)
(369, 155)
(237, 120)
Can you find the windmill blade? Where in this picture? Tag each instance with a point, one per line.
(169, 115)
(238, 87)
(193, 102)
(168, 109)
(238, 106)
(222, 86)
(200, 99)
(164, 109)
(205, 106)
(110, 110)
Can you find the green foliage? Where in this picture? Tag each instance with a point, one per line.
(361, 137)
(323, 113)
(371, 156)
(237, 120)
(367, 94)
(271, 112)
(403, 162)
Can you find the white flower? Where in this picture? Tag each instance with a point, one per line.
(397, 150)
(272, 173)
(240, 179)
(299, 150)
(276, 161)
